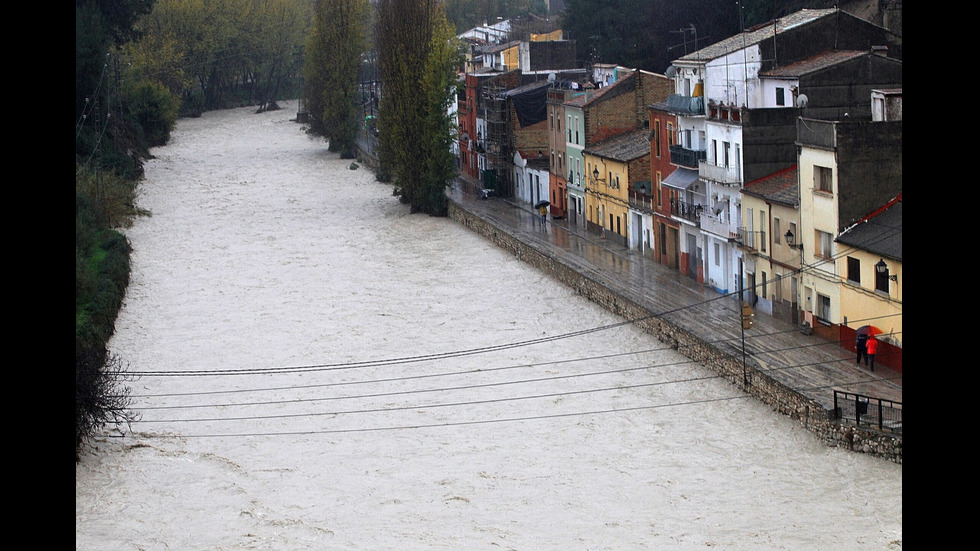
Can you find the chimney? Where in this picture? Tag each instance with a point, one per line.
(589, 90)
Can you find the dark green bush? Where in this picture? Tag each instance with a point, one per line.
(155, 109)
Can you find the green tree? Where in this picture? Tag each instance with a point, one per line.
(334, 52)
(417, 56)
(233, 52)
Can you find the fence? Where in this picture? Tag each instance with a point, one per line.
(867, 411)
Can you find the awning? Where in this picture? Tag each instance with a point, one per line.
(681, 178)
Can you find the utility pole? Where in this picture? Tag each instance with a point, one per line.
(748, 320)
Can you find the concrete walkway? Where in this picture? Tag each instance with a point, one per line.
(809, 364)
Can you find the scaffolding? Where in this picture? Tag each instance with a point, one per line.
(495, 112)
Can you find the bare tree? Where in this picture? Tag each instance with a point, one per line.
(101, 399)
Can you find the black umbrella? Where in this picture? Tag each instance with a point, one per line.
(541, 203)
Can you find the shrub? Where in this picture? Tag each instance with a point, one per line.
(155, 109)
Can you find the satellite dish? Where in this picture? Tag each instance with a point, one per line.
(802, 100)
(551, 77)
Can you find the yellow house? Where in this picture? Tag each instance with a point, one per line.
(819, 280)
(511, 57)
(612, 168)
(770, 211)
(850, 177)
(871, 269)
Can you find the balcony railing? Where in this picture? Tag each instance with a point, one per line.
(689, 158)
(687, 211)
(730, 175)
(749, 239)
(722, 228)
(641, 201)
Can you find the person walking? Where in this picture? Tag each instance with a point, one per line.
(544, 213)
(861, 344)
(871, 348)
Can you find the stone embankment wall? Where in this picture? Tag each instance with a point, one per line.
(782, 399)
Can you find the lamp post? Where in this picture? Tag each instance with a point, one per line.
(882, 270)
(595, 180)
(791, 241)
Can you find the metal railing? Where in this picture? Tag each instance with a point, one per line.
(868, 411)
(690, 158)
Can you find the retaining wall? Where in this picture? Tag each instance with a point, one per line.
(810, 414)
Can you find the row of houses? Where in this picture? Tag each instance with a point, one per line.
(767, 165)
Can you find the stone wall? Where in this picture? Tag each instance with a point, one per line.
(782, 399)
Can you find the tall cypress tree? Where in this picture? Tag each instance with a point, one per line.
(333, 57)
(417, 57)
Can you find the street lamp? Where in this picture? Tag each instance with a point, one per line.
(882, 269)
(791, 241)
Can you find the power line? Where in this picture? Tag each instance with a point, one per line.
(465, 387)
(480, 371)
(485, 421)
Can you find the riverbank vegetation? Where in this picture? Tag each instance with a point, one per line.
(139, 65)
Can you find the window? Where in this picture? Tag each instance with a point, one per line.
(717, 254)
(823, 179)
(714, 152)
(776, 234)
(660, 200)
(824, 245)
(762, 231)
(726, 148)
(670, 134)
(881, 281)
(765, 293)
(656, 138)
(854, 270)
(780, 96)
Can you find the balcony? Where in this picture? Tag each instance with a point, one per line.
(719, 227)
(689, 158)
(685, 105)
(641, 201)
(728, 175)
(684, 210)
(749, 240)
